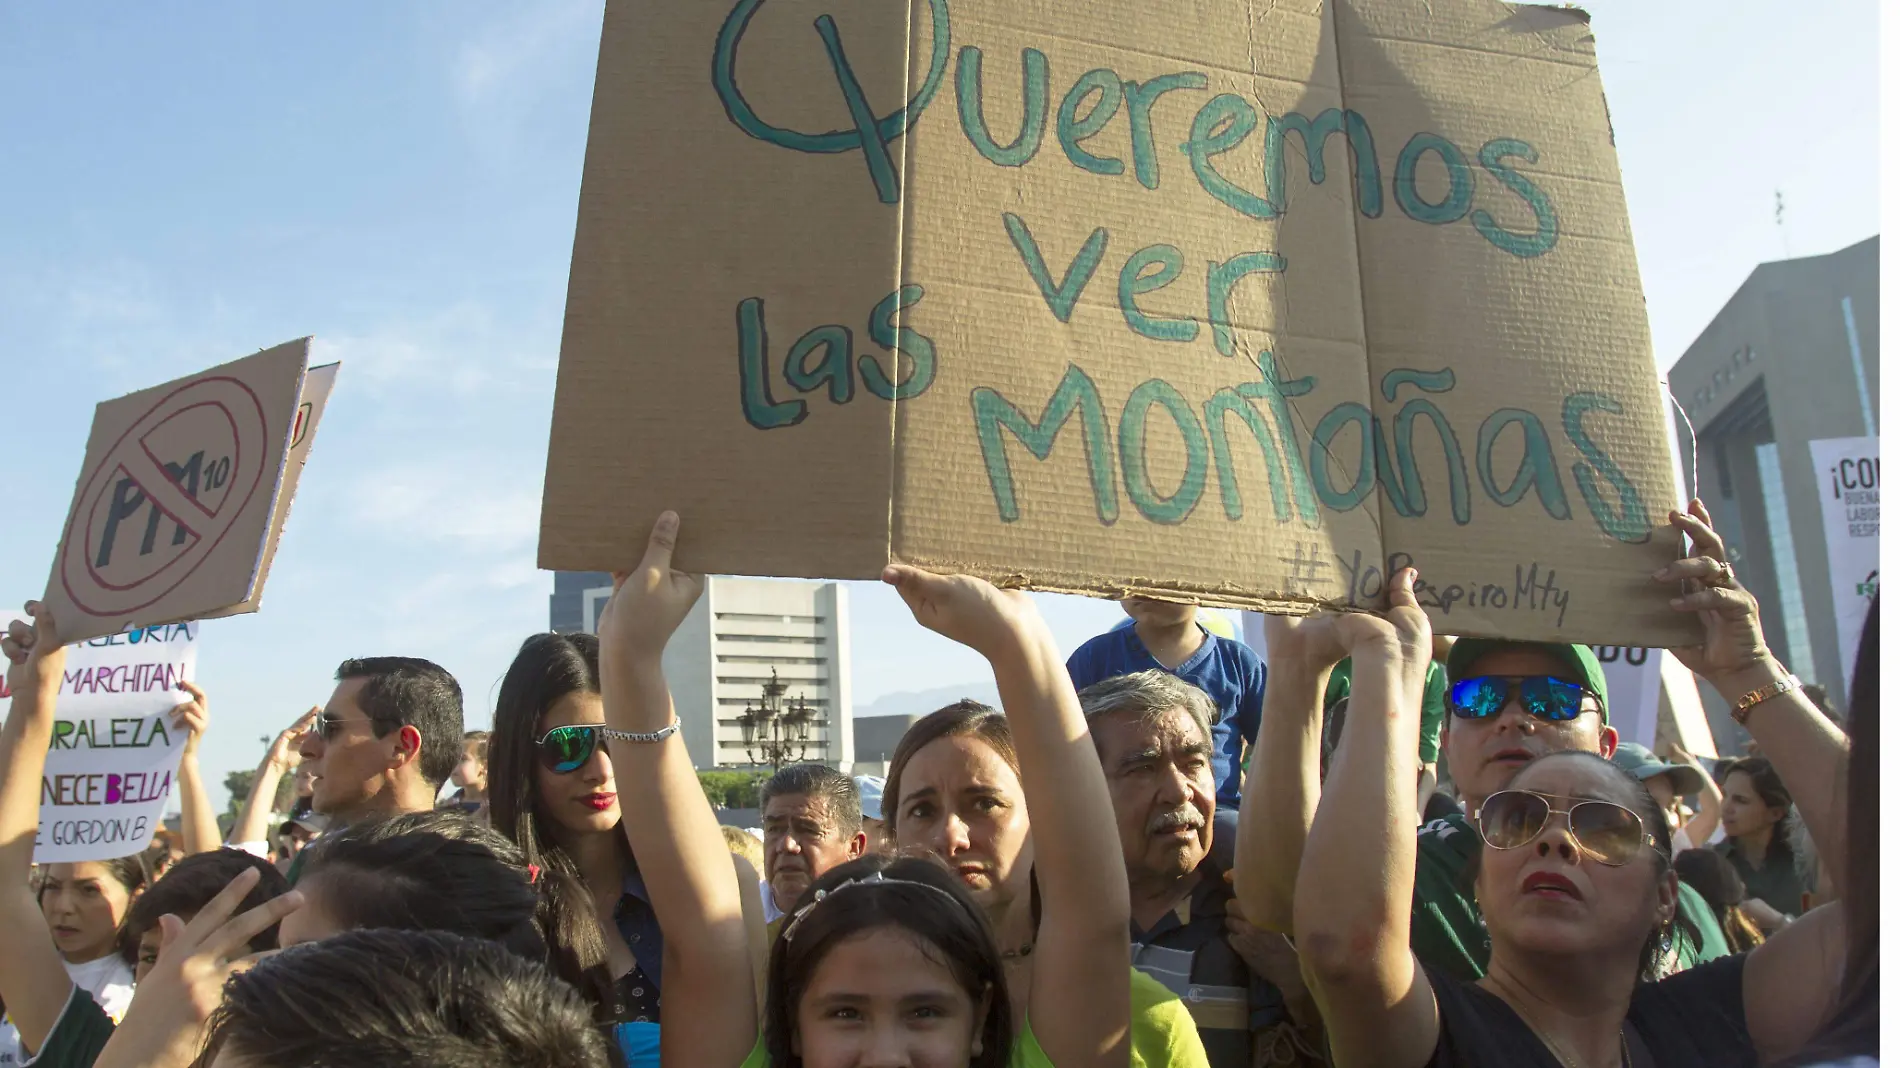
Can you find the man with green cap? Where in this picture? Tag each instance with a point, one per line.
(1510, 702)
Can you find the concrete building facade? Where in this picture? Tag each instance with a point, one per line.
(1793, 357)
(740, 632)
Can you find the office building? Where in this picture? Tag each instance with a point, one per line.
(1793, 357)
(740, 633)
(876, 738)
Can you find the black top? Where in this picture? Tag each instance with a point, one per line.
(1693, 1019)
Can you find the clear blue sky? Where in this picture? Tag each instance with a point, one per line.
(185, 183)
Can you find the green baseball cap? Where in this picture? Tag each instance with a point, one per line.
(1580, 659)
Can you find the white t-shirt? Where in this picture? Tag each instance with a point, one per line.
(108, 980)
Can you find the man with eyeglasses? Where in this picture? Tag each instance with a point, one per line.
(385, 743)
(1507, 703)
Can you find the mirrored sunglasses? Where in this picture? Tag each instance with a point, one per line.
(564, 749)
(1544, 696)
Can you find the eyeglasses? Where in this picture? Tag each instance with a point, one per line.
(328, 727)
(564, 749)
(1544, 696)
(1604, 831)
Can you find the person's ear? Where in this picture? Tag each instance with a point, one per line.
(858, 843)
(1668, 892)
(1607, 744)
(408, 744)
(982, 1017)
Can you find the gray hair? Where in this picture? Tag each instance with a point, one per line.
(829, 786)
(1150, 695)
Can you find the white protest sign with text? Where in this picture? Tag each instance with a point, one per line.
(114, 753)
(1847, 474)
(1634, 677)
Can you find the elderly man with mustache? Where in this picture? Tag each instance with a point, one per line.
(1152, 732)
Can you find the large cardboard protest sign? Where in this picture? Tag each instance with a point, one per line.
(1847, 472)
(114, 753)
(181, 498)
(1240, 301)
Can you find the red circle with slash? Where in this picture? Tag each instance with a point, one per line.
(164, 496)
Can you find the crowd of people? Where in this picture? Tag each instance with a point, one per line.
(1379, 847)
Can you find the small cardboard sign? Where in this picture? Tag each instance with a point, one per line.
(181, 498)
(1249, 303)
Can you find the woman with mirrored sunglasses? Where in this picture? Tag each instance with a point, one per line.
(551, 790)
(1576, 888)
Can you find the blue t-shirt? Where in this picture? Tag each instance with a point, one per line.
(1232, 674)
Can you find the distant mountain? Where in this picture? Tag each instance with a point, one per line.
(922, 702)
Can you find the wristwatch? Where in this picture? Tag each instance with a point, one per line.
(1746, 706)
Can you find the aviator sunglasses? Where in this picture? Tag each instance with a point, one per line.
(1543, 696)
(1604, 831)
(564, 749)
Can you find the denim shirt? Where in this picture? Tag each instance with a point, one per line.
(638, 926)
(637, 994)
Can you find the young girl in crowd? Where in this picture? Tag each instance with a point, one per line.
(1574, 882)
(471, 776)
(1757, 817)
(955, 790)
(554, 796)
(892, 991)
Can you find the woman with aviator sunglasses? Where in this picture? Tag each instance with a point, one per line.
(551, 791)
(1576, 887)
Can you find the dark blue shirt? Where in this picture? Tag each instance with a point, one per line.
(1230, 673)
(639, 926)
(636, 1012)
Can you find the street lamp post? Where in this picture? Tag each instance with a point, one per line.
(776, 732)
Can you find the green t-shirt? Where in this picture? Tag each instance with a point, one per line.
(77, 1037)
(1448, 933)
(1161, 1033)
(1431, 717)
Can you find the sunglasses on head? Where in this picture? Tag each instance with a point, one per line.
(1544, 696)
(1604, 831)
(564, 749)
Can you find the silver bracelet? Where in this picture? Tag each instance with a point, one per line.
(657, 736)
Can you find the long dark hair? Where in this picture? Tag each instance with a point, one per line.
(429, 871)
(548, 668)
(426, 999)
(1712, 876)
(915, 895)
(1768, 786)
(1855, 1029)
